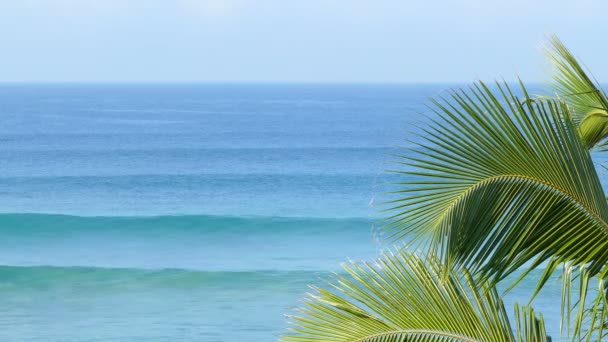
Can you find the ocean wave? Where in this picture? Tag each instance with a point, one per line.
(19, 278)
(21, 222)
(198, 242)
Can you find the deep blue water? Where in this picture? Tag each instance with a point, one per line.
(188, 212)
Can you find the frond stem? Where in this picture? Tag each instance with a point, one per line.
(417, 332)
(484, 181)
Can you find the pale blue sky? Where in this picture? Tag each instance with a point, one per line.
(293, 40)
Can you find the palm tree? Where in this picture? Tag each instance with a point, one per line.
(499, 183)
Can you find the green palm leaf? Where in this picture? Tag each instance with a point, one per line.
(407, 298)
(529, 327)
(499, 181)
(588, 102)
(587, 318)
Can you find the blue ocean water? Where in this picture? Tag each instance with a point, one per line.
(188, 212)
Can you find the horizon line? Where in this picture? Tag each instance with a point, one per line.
(177, 82)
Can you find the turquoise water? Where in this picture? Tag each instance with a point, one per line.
(189, 212)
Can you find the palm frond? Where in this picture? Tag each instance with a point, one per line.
(585, 97)
(529, 326)
(588, 316)
(404, 297)
(499, 182)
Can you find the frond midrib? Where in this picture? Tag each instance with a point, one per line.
(419, 332)
(491, 179)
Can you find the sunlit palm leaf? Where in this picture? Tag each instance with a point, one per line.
(406, 298)
(498, 181)
(588, 102)
(587, 318)
(529, 327)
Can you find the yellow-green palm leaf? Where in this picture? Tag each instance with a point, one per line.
(588, 102)
(403, 297)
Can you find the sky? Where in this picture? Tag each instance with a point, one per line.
(293, 40)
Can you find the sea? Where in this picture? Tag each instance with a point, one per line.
(192, 212)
